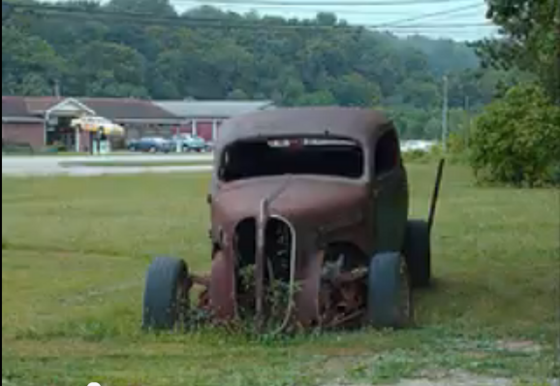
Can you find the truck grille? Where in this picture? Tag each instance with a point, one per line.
(278, 246)
(278, 249)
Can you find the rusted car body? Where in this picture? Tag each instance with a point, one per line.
(314, 199)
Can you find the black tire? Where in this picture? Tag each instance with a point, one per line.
(417, 250)
(389, 303)
(165, 295)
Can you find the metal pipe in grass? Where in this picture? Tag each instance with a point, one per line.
(435, 194)
(259, 263)
(292, 281)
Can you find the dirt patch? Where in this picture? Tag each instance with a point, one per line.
(442, 378)
(519, 346)
(457, 379)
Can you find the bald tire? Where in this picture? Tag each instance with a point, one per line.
(165, 297)
(389, 301)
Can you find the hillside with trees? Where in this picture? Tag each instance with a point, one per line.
(116, 50)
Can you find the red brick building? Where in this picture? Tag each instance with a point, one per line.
(204, 118)
(19, 125)
(44, 121)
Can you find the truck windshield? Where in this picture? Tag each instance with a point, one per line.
(301, 156)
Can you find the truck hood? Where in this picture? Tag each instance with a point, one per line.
(302, 200)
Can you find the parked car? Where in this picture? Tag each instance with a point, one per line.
(151, 145)
(189, 142)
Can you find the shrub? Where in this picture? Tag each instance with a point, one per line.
(416, 156)
(516, 140)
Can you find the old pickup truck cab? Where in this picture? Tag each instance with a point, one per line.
(312, 203)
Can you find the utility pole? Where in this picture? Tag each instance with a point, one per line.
(557, 24)
(468, 120)
(556, 368)
(56, 88)
(444, 121)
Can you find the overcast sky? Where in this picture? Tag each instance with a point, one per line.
(469, 12)
(461, 20)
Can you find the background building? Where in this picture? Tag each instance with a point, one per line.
(45, 121)
(204, 118)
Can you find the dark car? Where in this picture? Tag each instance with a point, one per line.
(314, 201)
(151, 145)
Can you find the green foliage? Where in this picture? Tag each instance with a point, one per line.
(456, 143)
(150, 7)
(29, 63)
(516, 139)
(530, 40)
(109, 69)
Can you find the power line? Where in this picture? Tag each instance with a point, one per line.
(321, 3)
(342, 12)
(197, 22)
(228, 25)
(433, 14)
(202, 24)
(447, 12)
(339, 12)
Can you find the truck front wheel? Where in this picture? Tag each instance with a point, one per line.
(389, 300)
(166, 299)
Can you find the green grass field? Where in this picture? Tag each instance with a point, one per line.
(74, 253)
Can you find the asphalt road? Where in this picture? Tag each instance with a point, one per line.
(49, 166)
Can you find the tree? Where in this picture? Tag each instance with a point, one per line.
(318, 98)
(29, 64)
(237, 95)
(149, 7)
(109, 70)
(355, 90)
(530, 39)
(420, 93)
(516, 139)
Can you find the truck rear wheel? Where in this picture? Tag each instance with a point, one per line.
(417, 251)
(166, 299)
(389, 303)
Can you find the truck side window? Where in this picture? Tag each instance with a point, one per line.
(387, 153)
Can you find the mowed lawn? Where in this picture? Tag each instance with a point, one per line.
(75, 250)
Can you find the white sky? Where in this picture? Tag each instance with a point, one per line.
(376, 14)
(373, 14)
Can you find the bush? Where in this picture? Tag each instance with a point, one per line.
(416, 156)
(11, 147)
(516, 139)
(456, 144)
